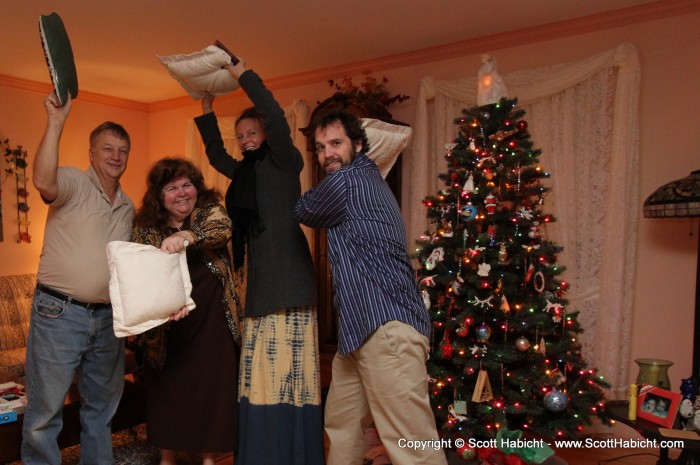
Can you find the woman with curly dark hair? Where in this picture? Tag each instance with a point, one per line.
(191, 362)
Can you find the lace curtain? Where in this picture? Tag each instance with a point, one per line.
(584, 117)
(297, 116)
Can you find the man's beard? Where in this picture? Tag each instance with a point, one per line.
(339, 160)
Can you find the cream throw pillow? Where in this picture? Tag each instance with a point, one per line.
(201, 71)
(386, 142)
(146, 286)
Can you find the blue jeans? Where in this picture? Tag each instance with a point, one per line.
(65, 339)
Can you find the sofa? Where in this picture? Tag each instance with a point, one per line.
(16, 295)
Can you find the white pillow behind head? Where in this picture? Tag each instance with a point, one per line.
(202, 71)
(146, 286)
(386, 142)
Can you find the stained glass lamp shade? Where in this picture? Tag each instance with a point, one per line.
(681, 199)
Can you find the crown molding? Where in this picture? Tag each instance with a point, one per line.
(86, 96)
(583, 25)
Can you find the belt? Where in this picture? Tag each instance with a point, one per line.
(68, 299)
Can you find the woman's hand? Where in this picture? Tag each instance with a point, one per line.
(180, 314)
(176, 242)
(207, 102)
(237, 69)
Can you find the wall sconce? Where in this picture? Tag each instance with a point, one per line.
(681, 199)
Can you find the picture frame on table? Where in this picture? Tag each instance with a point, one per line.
(658, 405)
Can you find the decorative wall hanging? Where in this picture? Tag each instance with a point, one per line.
(16, 159)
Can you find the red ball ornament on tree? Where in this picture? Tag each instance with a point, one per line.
(462, 331)
(521, 125)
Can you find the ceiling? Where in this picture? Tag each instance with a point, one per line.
(115, 43)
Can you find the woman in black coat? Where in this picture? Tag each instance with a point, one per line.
(280, 419)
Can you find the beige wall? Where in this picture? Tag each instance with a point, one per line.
(22, 119)
(666, 253)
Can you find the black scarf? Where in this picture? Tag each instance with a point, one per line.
(242, 203)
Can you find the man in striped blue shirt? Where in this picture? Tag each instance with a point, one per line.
(379, 372)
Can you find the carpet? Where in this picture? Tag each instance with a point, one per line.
(130, 448)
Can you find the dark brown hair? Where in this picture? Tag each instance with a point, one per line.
(152, 212)
(351, 124)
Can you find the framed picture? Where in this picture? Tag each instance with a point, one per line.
(658, 405)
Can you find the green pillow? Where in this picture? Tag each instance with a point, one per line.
(59, 56)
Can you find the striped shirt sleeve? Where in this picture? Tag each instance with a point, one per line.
(325, 205)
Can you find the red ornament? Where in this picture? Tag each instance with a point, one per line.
(529, 273)
(491, 204)
(446, 347)
(521, 125)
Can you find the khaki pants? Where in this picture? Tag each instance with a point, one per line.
(385, 380)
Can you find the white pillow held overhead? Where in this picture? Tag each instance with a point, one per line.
(146, 286)
(201, 72)
(386, 142)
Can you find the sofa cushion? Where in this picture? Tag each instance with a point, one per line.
(12, 365)
(16, 295)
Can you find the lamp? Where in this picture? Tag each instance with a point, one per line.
(681, 199)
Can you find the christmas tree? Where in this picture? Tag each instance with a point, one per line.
(506, 353)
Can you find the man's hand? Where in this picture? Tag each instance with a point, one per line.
(54, 110)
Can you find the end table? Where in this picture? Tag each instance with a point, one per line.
(690, 454)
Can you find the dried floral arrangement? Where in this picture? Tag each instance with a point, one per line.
(16, 159)
(372, 93)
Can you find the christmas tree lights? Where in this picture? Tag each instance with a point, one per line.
(505, 349)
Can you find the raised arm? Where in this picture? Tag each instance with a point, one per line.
(279, 138)
(208, 128)
(46, 161)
